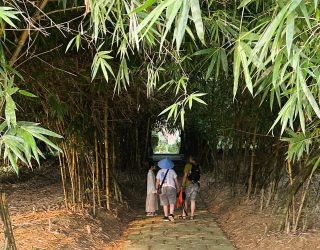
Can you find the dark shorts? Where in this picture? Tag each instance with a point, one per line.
(168, 196)
(191, 192)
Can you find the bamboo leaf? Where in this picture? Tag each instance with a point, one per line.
(144, 6)
(26, 93)
(290, 32)
(173, 13)
(305, 13)
(40, 130)
(12, 160)
(152, 17)
(211, 65)
(181, 24)
(236, 69)
(78, 41)
(167, 109)
(224, 60)
(46, 140)
(199, 100)
(245, 66)
(197, 19)
(308, 94)
(244, 3)
(10, 112)
(269, 32)
(301, 117)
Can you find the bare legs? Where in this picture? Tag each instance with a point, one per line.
(171, 208)
(192, 207)
(165, 210)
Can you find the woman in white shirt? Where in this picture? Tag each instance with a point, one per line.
(167, 181)
(152, 197)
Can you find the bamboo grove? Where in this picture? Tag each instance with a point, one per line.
(99, 72)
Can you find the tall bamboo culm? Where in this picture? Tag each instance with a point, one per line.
(252, 162)
(9, 242)
(97, 166)
(106, 155)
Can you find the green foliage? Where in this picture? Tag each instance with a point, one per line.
(271, 47)
(18, 139)
(7, 15)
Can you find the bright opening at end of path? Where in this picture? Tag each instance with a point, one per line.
(165, 140)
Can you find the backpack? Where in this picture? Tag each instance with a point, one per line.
(194, 174)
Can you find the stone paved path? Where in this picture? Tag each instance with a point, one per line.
(155, 234)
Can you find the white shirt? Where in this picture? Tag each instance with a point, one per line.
(169, 181)
(151, 186)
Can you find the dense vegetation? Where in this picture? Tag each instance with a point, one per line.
(100, 73)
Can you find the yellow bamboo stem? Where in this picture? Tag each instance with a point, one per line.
(93, 189)
(106, 155)
(63, 179)
(291, 182)
(97, 166)
(79, 177)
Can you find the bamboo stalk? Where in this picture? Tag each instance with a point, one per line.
(5, 217)
(137, 146)
(79, 177)
(302, 203)
(252, 163)
(145, 156)
(97, 166)
(271, 187)
(71, 174)
(261, 199)
(73, 182)
(116, 196)
(106, 155)
(25, 34)
(102, 170)
(93, 189)
(63, 179)
(291, 182)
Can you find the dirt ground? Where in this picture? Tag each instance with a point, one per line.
(40, 220)
(248, 228)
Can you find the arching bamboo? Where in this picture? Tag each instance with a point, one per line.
(25, 34)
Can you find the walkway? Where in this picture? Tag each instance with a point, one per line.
(155, 234)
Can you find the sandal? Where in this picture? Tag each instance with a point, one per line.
(182, 217)
(191, 217)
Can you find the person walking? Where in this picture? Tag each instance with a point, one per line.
(191, 185)
(152, 197)
(167, 185)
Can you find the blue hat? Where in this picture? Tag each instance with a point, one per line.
(165, 163)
